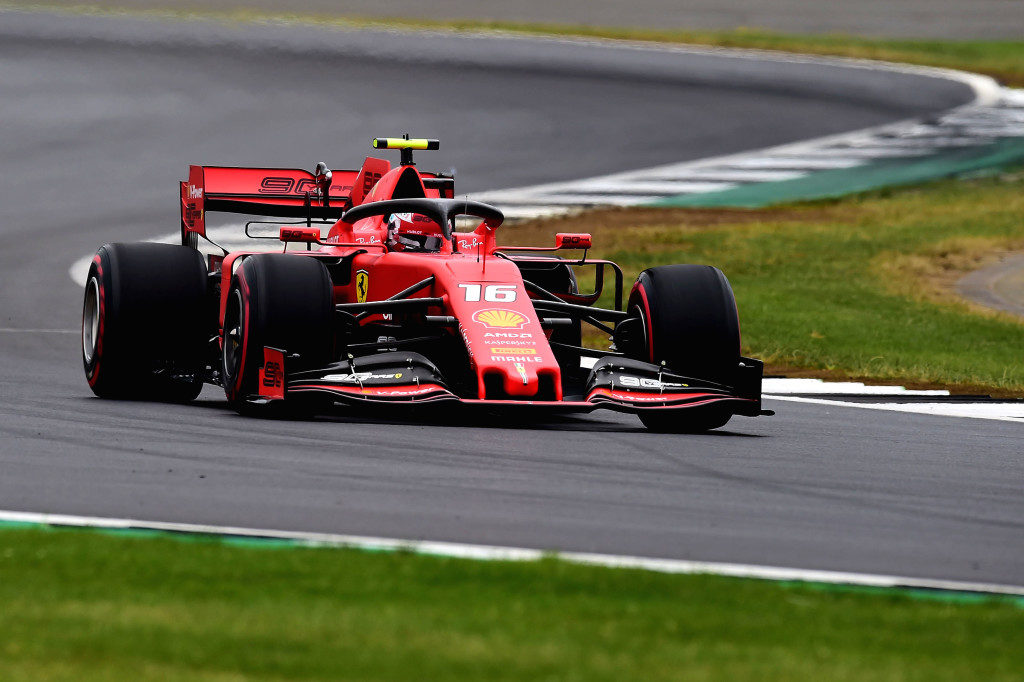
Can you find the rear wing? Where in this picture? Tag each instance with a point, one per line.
(284, 192)
(278, 192)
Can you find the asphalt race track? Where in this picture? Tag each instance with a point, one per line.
(100, 118)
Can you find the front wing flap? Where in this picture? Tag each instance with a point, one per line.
(614, 382)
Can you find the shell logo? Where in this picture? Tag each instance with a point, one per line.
(500, 319)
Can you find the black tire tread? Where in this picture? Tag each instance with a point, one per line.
(155, 317)
(290, 302)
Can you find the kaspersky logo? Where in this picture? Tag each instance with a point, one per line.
(500, 319)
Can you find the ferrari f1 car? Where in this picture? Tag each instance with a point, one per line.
(395, 305)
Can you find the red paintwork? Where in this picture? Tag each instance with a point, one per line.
(573, 240)
(257, 184)
(647, 398)
(271, 377)
(597, 399)
(260, 188)
(497, 321)
(306, 235)
(409, 392)
(372, 171)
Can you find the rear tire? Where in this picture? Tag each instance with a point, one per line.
(277, 301)
(688, 321)
(144, 322)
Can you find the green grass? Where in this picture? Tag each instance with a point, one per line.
(1003, 60)
(80, 606)
(859, 287)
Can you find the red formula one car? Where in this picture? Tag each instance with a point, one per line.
(394, 305)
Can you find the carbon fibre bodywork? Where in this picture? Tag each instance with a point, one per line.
(412, 311)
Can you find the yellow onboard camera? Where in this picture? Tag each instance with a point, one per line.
(406, 145)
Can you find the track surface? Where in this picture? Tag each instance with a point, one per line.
(954, 19)
(97, 131)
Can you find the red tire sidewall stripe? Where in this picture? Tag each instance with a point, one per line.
(648, 323)
(94, 374)
(236, 389)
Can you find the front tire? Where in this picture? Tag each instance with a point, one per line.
(688, 321)
(277, 301)
(144, 323)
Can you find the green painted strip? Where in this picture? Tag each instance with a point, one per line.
(948, 596)
(843, 181)
(243, 542)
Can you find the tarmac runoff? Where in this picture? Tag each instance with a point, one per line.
(999, 286)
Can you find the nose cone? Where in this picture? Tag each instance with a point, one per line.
(516, 367)
(510, 352)
(502, 332)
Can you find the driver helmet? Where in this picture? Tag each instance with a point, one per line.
(413, 232)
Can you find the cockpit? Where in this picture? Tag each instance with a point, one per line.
(413, 232)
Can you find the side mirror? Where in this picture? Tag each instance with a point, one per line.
(305, 235)
(572, 240)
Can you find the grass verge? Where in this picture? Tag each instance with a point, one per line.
(859, 287)
(88, 606)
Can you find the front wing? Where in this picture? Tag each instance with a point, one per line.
(614, 383)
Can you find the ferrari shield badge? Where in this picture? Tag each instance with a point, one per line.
(362, 285)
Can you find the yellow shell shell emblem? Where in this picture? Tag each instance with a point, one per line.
(500, 319)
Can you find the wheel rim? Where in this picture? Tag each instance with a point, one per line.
(91, 320)
(233, 336)
(646, 350)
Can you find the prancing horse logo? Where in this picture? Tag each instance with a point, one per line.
(362, 285)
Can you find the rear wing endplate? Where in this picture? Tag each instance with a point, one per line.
(278, 192)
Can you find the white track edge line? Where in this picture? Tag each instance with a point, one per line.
(906, 408)
(498, 553)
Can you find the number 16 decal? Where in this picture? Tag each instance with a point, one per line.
(493, 293)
